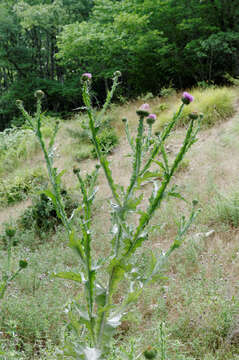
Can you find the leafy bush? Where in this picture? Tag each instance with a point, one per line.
(107, 140)
(217, 104)
(167, 91)
(41, 216)
(17, 188)
(84, 152)
(157, 109)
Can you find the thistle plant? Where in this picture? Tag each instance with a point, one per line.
(96, 315)
(7, 275)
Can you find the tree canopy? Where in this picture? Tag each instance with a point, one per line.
(48, 44)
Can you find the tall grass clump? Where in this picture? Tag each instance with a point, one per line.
(109, 283)
(19, 144)
(226, 210)
(217, 105)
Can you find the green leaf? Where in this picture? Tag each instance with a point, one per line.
(100, 297)
(69, 276)
(132, 203)
(59, 176)
(148, 175)
(75, 243)
(50, 195)
(176, 195)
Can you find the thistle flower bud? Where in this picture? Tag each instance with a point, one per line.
(124, 120)
(86, 76)
(19, 103)
(39, 94)
(151, 119)
(143, 110)
(10, 232)
(193, 115)
(187, 98)
(195, 202)
(23, 264)
(150, 353)
(76, 170)
(117, 73)
(97, 166)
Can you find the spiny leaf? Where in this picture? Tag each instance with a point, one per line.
(75, 243)
(69, 276)
(49, 194)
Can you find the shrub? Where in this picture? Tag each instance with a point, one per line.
(167, 91)
(41, 216)
(19, 187)
(107, 139)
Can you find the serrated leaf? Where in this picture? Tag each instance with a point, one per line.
(59, 176)
(132, 203)
(75, 243)
(148, 175)
(69, 276)
(49, 194)
(176, 195)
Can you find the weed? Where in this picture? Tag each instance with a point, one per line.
(19, 187)
(107, 140)
(41, 216)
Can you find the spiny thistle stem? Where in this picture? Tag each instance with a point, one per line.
(144, 220)
(101, 157)
(163, 137)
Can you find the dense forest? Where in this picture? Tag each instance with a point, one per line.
(48, 44)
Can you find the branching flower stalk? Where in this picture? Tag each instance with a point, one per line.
(96, 320)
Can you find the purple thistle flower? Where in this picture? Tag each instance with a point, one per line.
(151, 119)
(152, 116)
(187, 98)
(144, 107)
(86, 76)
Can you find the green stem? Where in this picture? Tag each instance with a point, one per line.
(164, 136)
(137, 159)
(51, 172)
(100, 156)
(158, 199)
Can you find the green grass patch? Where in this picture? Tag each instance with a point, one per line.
(225, 210)
(20, 144)
(217, 105)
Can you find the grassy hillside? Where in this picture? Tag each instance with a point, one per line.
(193, 310)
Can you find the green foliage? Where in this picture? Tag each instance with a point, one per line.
(99, 313)
(167, 91)
(44, 44)
(41, 216)
(16, 145)
(20, 187)
(107, 140)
